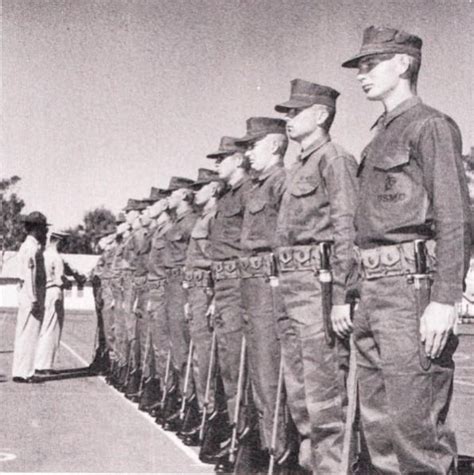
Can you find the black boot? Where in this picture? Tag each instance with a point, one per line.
(192, 419)
(250, 457)
(216, 432)
(151, 394)
(132, 390)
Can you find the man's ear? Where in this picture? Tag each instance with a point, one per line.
(322, 115)
(403, 63)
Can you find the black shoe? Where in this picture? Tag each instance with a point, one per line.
(217, 435)
(191, 440)
(224, 466)
(30, 380)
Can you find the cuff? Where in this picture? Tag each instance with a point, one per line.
(445, 292)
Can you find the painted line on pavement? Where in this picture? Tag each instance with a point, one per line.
(172, 437)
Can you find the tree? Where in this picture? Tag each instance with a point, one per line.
(12, 233)
(84, 237)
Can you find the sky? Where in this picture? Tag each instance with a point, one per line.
(103, 99)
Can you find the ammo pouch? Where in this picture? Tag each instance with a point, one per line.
(299, 258)
(197, 278)
(392, 260)
(175, 273)
(156, 284)
(261, 265)
(228, 269)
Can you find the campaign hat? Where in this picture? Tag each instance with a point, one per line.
(305, 94)
(385, 40)
(227, 146)
(259, 127)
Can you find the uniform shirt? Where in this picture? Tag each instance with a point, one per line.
(261, 211)
(413, 186)
(103, 268)
(319, 205)
(118, 261)
(143, 249)
(226, 228)
(177, 239)
(31, 269)
(155, 261)
(54, 267)
(131, 248)
(198, 255)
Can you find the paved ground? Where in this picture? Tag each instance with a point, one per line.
(79, 424)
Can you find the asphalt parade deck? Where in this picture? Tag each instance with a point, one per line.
(77, 423)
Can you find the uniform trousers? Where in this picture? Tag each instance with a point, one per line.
(404, 407)
(315, 374)
(107, 313)
(26, 336)
(120, 331)
(142, 318)
(159, 330)
(229, 333)
(201, 335)
(178, 328)
(128, 295)
(51, 329)
(263, 356)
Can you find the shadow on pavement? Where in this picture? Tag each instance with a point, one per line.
(73, 373)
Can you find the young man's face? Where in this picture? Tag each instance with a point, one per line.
(226, 166)
(261, 153)
(379, 76)
(176, 198)
(205, 193)
(300, 123)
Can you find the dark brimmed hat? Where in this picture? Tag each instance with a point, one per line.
(227, 146)
(305, 94)
(35, 217)
(178, 182)
(110, 229)
(205, 176)
(383, 40)
(135, 205)
(259, 127)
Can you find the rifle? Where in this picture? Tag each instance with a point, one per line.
(187, 377)
(240, 390)
(325, 278)
(275, 419)
(210, 372)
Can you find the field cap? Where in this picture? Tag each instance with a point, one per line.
(35, 217)
(156, 194)
(205, 176)
(259, 127)
(135, 205)
(227, 146)
(120, 218)
(305, 94)
(383, 40)
(178, 182)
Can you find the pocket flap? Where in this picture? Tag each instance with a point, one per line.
(305, 186)
(394, 160)
(389, 256)
(232, 209)
(256, 205)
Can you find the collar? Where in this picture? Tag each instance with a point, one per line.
(267, 173)
(304, 154)
(182, 215)
(210, 212)
(237, 185)
(32, 240)
(403, 107)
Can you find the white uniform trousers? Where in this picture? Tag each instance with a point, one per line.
(50, 334)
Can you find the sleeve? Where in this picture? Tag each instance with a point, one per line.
(58, 271)
(440, 148)
(341, 184)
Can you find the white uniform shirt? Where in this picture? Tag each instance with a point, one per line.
(31, 270)
(54, 266)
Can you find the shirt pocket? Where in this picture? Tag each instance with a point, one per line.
(305, 187)
(256, 205)
(393, 162)
(232, 209)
